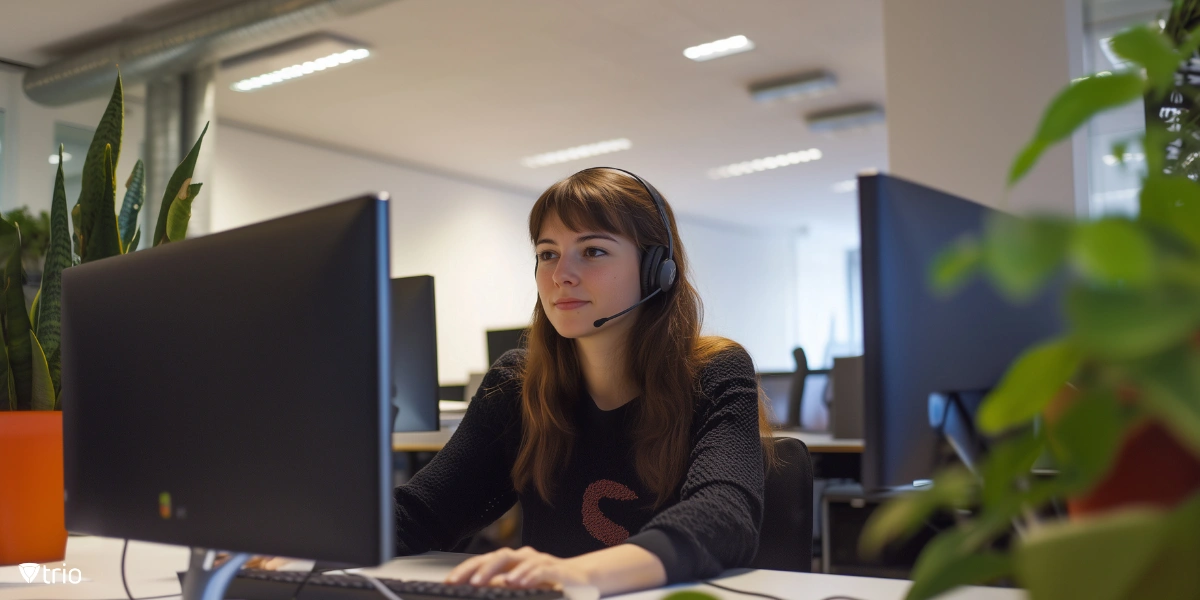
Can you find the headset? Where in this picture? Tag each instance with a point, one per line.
(658, 263)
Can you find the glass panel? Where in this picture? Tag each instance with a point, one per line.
(1113, 186)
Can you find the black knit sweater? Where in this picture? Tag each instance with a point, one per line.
(710, 524)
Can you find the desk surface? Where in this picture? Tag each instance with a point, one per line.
(433, 441)
(152, 568)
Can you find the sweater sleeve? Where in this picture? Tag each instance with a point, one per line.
(715, 525)
(467, 485)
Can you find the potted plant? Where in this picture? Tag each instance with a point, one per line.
(1114, 402)
(31, 458)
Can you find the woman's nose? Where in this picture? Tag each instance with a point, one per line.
(565, 272)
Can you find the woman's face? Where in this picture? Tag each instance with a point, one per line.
(583, 276)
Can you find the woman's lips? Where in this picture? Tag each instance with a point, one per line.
(570, 305)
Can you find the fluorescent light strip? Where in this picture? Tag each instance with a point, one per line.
(300, 70)
(54, 158)
(763, 164)
(719, 48)
(576, 153)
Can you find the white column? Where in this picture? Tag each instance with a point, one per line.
(967, 81)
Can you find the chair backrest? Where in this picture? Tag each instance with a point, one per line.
(796, 393)
(786, 538)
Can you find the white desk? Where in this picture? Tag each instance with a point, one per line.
(433, 441)
(152, 571)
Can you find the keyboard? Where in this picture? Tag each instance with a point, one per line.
(255, 584)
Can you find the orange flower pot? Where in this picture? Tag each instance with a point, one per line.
(32, 527)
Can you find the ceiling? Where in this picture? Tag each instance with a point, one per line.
(472, 86)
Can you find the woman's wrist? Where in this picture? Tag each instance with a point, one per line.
(619, 569)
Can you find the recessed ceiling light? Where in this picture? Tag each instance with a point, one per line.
(845, 187)
(719, 48)
(764, 164)
(803, 85)
(292, 59)
(576, 153)
(54, 158)
(858, 116)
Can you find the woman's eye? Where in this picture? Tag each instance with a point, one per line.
(545, 255)
(598, 252)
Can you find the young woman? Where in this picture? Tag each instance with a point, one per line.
(633, 444)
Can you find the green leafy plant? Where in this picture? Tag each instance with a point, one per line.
(1130, 358)
(31, 357)
(35, 233)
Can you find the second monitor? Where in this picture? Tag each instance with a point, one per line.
(414, 355)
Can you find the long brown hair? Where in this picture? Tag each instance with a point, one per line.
(664, 356)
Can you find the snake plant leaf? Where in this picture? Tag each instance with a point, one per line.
(1102, 559)
(77, 237)
(181, 176)
(43, 397)
(1172, 204)
(16, 319)
(1152, 50)
(8, 395)
(105, 240)
(1029, 385)
(135, 195)
(47, 325)
(33, 310)
(181, 211)
(137, 239)
(947, 562)
(1073, 107)
(1112, 252)
(97, 174)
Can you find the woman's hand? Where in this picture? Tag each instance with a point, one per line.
(523, 568)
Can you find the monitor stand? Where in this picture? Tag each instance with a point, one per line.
(206, 582)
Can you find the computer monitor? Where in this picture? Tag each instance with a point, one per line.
(500, 341)
(776, 387)
(232, 391)
(917, 343)
(415, 391)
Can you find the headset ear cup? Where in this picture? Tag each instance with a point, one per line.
(666, 275)
(650, 262)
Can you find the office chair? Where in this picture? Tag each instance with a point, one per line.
(785, 543)
(796, 393)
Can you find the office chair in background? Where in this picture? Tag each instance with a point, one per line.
(796, 393)
(785, 543)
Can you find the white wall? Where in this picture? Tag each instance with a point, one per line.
(473, 240)
(966, 86)
(746, 280)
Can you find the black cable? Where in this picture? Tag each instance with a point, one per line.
(305, 581)
(729, 589)
(125, 584)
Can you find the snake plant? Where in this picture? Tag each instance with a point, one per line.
(30, 356)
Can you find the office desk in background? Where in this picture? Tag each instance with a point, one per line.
(818, 443)
(152, 569)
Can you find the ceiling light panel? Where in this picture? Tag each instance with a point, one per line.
(845, 118)
(794, 87)
(765, 164)
(576, 153)
(719, 48)
(292, 60)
